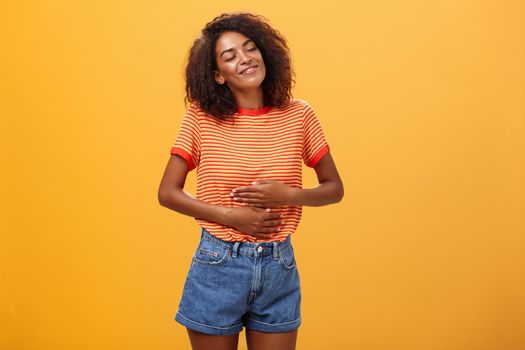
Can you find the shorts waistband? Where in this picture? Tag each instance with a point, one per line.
(248, 248)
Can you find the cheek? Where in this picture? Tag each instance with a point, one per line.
(230, 69)
(225, 68)
(263, 70)
(263, 65)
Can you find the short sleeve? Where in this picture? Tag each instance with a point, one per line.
(188, 141)
(315, 145)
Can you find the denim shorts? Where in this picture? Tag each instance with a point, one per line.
(234, 284)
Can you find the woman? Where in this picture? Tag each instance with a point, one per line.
(247, 137)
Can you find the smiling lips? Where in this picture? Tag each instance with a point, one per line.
(249, 69)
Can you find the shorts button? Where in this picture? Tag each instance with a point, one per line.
(259, 249)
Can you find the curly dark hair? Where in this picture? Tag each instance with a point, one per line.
(216, 99)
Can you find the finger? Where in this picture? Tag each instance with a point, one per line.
(257, 208)
(273, 215)
(261, 181)
(253, 194)
(243, 189)
(248, 200)
(254, 205)
(275, 222)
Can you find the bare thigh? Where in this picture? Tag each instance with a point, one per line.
(270, 341)
(203, 341)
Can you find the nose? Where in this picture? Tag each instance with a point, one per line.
(245, 58)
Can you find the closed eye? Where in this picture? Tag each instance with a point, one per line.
(231, 58)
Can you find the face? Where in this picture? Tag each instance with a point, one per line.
(239, 62)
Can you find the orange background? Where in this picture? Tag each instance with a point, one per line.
(423, 105)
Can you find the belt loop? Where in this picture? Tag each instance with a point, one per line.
(275, 250)
(235, 248)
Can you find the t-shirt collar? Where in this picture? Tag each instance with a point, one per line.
(245, 111)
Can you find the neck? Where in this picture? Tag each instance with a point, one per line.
(249, 99)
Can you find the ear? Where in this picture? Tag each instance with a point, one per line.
(218, 78)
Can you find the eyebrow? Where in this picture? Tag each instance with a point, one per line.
(231, 49)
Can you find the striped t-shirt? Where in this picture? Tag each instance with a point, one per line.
(265, 143)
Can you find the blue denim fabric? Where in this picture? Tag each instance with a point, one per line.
(235, 284)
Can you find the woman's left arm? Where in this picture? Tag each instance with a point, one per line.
(330, 189)
(268, 193)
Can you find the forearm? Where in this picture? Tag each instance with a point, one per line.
(325, 193)
(184, 203)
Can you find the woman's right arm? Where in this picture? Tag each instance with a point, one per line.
(171, 194)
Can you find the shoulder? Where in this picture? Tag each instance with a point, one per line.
(303, 107)
(194, 109)
(195, 113)
(296, 105)
(201, 116)
(298, 102)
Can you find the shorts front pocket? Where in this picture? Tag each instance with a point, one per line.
(210, 254)
(287, 257)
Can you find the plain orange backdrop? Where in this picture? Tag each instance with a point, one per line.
(423, 105)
